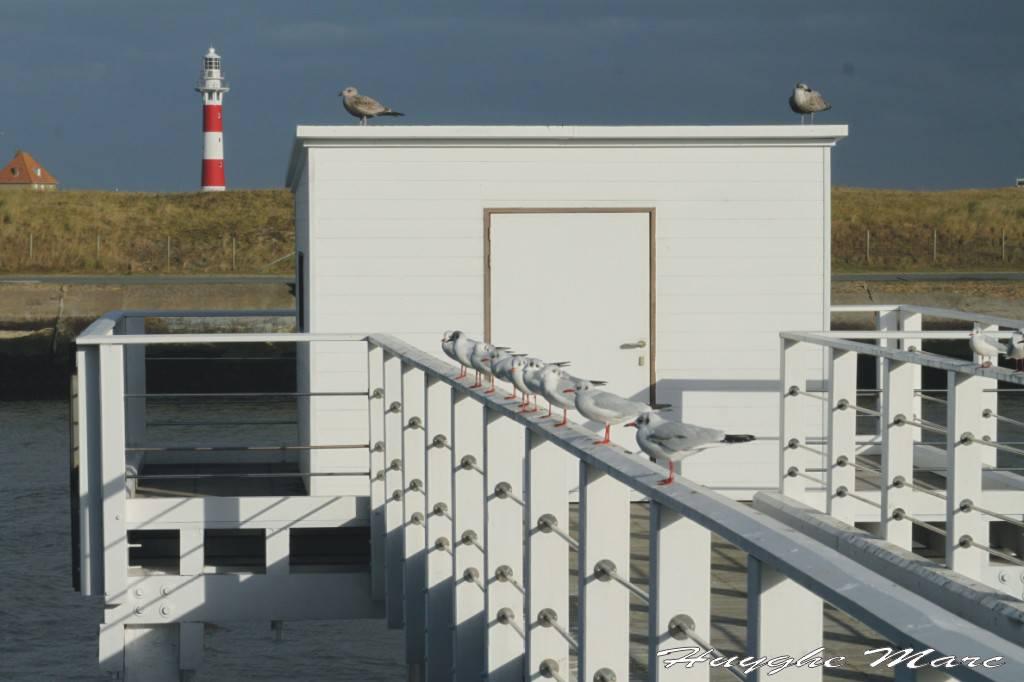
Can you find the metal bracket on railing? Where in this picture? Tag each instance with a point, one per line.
(548, 618)
(503, 491)
(439, 441)
(394, 407)
(843, 404)
(468, 462)
(504, 574)
(793, 443)
(792, 472)
(967, 506)
(898, 514)
(416, 519)
(899, 420)
(507, 616)
(967, 438)
(842, 460)
(605, 675)
(377, 394)
(395, 465)
(965, 541)
(680, 626)
(471, 575)
(842, 491)
(899, 482)
(469, 538)
(443, 544)
(793, 391)
(415, 485)
(440, 509)
(397, 496)
(414, 423)
(549, 668)
(378, 446)
(605, 570)
(547, 523)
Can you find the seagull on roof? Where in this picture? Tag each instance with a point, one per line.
(807, 101)
(363, 107)
(670, 441)
(986, 347)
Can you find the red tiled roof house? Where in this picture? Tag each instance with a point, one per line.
(24, 172)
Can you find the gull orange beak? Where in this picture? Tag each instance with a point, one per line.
(569, 390)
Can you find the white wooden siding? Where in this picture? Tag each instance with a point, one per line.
(396, 245)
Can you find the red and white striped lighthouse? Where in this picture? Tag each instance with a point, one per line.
(212, 86)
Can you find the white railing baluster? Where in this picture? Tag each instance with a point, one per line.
(394, 528)
(604, 603)
(794, 412)
(842, 445)
(468, 522)
(547, 554)
(504, 448)
(437, 431)
(912, 322)
(414, 510)
(90, 503)
(781, 616)
(378, 466)
(988, 399)
(897, 452)
(680, 588)
(112, 472)
(964, 461)
(134, 383)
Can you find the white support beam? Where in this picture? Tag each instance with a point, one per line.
(440, 604)
(90, 499)
(911, 321)
(886, 321)
(547, 554)
(191, 553)
(897, 451)
(468, 518)
(604, 602)
(680, 585)
(988, 399)
(135, 383)
(414, 518)
(965, 460)
(773, 601)
(504, 448)
(842, 425)
(112, 470)
(378, 470)
(394, 554)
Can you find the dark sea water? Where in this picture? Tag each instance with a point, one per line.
(48, 631)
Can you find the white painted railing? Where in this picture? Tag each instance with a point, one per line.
(471, 538)
(892, 477)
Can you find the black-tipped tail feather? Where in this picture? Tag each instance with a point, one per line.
(391, 113)
(737, 438)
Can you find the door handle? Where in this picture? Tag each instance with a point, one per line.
(636, 344)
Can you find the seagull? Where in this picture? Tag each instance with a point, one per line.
(458, 347)
(363, 107)
(531, 378)
(501, 367)
(673, 441)
(517, 375)
(555, 382)
(478, 359)
(493, 364)
(1015, 350)
(604, 406)
(986, 347)
(807, 101)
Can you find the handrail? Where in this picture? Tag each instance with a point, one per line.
(928, 311)
(896, 613)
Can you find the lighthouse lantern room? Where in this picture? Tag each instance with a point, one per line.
(212, 86)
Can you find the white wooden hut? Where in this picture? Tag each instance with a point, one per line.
(664, 260)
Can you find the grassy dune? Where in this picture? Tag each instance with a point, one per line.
(133, 229)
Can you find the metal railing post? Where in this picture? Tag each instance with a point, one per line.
(437, 433)
(912, 322)
(897, 452)
(414, 508)
(468, 497)
(547, 554)
(504, 448)
(781, 616)
(680, 585)
(112, 473)
(964, 462)
(842, 445)
(378, 467)
(604, 604)
(394, 556)
(988, 399)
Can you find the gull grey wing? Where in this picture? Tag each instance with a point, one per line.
(367, 105)
(816, 102)
(616, 403)
(679, 436)
(1001, 347)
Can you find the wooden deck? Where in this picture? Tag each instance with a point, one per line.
(844, 636)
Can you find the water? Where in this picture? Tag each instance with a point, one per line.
(48, 631)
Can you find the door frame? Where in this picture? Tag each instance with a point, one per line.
(651, 270)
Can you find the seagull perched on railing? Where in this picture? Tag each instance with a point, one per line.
(517, 375)
(1015, 349)
(807, 101)
(458, 347)
(554, 384)
(604, 406)
(478, 359)
(501, 366)
(363, 107)
(670, 441)
(986, 347)
(533, 380)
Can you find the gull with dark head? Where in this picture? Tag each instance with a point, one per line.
(806, 101)
(670, 441)
(363, 107)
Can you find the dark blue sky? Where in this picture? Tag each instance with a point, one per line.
(101, 92)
